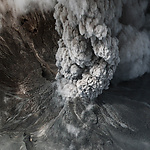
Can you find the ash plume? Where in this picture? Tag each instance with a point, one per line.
(88, 54)
(94, 37)
(56, 59)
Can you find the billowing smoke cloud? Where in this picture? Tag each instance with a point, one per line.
(88, 54)
(134, 40)
(134, 54)
(94, 37)
(95, 34)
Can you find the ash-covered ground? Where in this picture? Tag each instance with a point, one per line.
(74, 75)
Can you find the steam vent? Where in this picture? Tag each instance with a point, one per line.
(74, 75)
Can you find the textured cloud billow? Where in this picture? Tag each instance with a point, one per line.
(95, 35)
(88, 53)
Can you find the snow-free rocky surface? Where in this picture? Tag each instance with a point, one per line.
(118, 119)
(74, 75)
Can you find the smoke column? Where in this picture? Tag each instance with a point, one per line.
(100, 42)
(94, 37)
